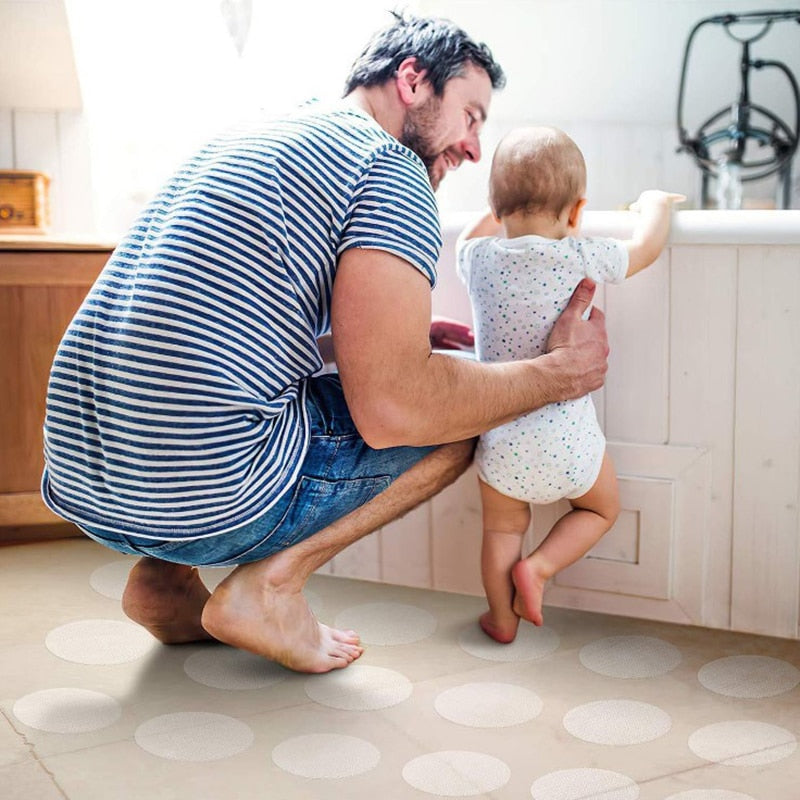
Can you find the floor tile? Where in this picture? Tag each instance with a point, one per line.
(590, 706)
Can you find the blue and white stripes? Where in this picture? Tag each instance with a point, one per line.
(175, 407)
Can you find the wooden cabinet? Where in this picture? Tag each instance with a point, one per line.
(42, 283)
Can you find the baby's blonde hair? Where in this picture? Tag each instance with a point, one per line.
(536, 170)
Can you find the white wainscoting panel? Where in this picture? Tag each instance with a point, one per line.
(73, 207)
(658, 538)
(637, 384)
(406, 549)
(57, 143)
(37, 147)
(360, 560)
(766, 526)
(644, 531)
(6, 139)
(456, 533)
(702, 364)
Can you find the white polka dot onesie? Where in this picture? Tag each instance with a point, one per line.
(518, 288)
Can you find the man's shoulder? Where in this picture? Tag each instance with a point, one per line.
(353, 128)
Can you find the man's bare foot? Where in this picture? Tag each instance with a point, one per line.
(528, 591)
(253, 610)
(502, 628)
(166, 599)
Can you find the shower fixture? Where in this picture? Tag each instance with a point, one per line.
(720, 146)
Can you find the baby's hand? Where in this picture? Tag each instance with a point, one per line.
(655, 197)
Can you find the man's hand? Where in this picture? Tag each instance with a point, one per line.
(449, 334)
(579, 346)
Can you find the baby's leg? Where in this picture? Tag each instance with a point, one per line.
(505, 521)
(571, 537)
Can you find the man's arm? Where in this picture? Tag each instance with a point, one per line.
(400, 393)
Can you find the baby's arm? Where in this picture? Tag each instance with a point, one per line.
(482, 227)
(652, 228)
(485, 225)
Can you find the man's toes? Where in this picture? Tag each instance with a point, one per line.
(346, 637)
(350, 652)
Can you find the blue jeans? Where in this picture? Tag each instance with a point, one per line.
(340, 473)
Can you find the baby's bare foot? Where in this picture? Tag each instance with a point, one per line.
(528, 591)
(501, 628)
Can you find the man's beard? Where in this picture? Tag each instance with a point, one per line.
(417, 134)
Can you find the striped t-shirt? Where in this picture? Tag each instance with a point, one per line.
(175, 408)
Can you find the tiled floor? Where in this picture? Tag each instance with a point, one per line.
(590, 707)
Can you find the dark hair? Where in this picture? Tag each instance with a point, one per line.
(440, 47)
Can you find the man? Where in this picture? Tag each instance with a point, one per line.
(183, 421)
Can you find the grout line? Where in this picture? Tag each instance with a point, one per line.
(34, 755)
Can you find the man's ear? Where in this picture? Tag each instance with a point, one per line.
(409, 79)
(575, 213)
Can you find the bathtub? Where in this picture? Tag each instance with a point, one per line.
(701, 408)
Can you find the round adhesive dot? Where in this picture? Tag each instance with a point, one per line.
(456, 773)
(326, 755)
(709, 794)
(67, 710)
(531, 643)
(579, 784)
(99, 641)
(488, 705)
(617, 722)
(194, 736)
(742, 743)
(387, 623)
(360, 687)
(110, 579)
(227, 668)
(630, 656)
(749, 676)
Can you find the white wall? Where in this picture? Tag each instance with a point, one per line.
(42, 126)
(37, 68)
(176, 77)
(158, 77)
(607, 71)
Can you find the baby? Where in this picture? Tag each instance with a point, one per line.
(521, 263)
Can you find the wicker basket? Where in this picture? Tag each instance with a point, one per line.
(24, 201)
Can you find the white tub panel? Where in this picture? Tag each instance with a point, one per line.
(766, 545)
(702, 410)
(636, 391)
(703, 300)
(406, 549)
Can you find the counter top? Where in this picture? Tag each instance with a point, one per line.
(18, 241)
(689, 227)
